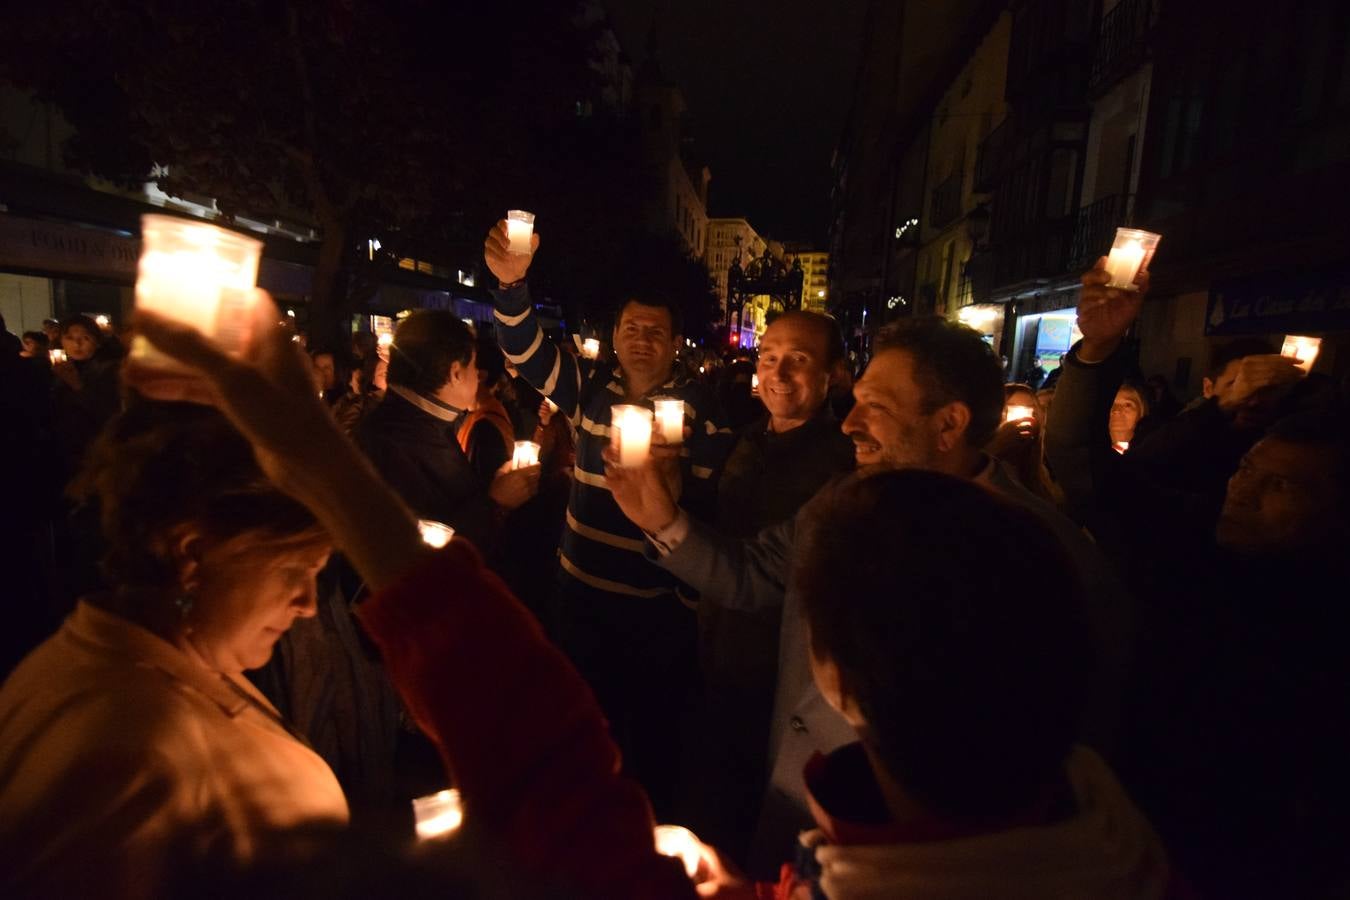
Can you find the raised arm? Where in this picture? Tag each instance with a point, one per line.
(553, 373)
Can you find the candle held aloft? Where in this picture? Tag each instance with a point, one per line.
(1017, 413)
(438, 815)
(199, 275)
(680, 843)
(670, 418)
(1130, 255)
(1304, 349)
(526, 454)
(519, 230)
(434, 534)
(630, 433)
(56, 355)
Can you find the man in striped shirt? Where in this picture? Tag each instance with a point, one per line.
(619, 615)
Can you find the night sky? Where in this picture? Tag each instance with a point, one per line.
(768, 84)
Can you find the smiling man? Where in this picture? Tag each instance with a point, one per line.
(930, 399)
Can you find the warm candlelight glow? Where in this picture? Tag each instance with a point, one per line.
(102, 322)
(680, 842)
(56, 355)
(1130, 255)
(1303, 349)
(1121, 446)
(438, 814)
(631, 434)
(590, 348)
(670, 416)
(435, 534)
(1017, 413)
(526, 454)
(519, 229)
(199, 275)
(384, 339)
(754, 382)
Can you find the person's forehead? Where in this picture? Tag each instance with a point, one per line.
(891, 372)
(793, 334)
(635, 313)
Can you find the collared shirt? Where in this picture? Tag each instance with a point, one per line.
(119, 755)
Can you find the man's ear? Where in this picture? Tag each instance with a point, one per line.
(1207, 387)
(953, 421)
(186, 546)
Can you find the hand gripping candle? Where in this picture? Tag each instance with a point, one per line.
(1130, 254)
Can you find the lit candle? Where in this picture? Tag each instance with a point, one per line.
(680, 843)
(526, 454)
(438, 815)
(199, 275)
(754, 382)
(102, 322)
(435, 534)
(1303, 349)
(384, 340)
(1017, 413)
(670, 416)
(56, 355)
(1130, 255)
(1121, 446)
(519, 229)
(590, 348)
(630, 433)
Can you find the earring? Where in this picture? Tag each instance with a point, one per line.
(184, 602)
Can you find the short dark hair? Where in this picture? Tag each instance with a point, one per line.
(655, 302)
(923, 590)
(489, 358)
(39, 337)
(82, 321)
(159, 465)
(952, 363)
(1321, 429)
(1222, 355)
(426, 343)
(828, 326)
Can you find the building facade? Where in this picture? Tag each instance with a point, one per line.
(730, 240)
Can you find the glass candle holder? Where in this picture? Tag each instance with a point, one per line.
(670, 418)
(56, 355)
(435, 534)
(680, 843)
(199, 275)
(526, 453)
(437, 815)
(1304, 349)
(519, 230)
(630, 433)
(1130, 254)
(590, 348)
(1018, 413)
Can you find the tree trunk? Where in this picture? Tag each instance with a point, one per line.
(329, 327)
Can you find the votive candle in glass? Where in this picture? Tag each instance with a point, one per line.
(437, 815)
(56, 355)
(526, 454)
(1304, 349)
(680, 843)
(630, 433)
(590, 348)
(519, 230)
(670, 417)
(1130, 254)
(435, 534)
(1018, 413)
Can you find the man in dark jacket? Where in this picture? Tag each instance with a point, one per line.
(411, 435)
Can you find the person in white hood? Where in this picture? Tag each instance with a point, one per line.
(946, 628)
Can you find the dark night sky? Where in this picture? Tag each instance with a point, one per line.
(768, 84)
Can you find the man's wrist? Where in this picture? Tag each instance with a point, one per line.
(669, 536)
(511, 285)
(1093, 352)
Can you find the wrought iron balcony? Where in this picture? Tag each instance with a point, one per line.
(1095, 226)
(1121, 42)
(946, 205)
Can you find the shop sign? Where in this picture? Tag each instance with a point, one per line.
(1297, 301)
(53, 249)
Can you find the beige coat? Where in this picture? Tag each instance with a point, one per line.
(119, 756)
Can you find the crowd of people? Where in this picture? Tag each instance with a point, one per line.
(909, 631)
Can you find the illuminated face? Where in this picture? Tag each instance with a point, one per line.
(79, 343)
(325, 371)
(248, 595)
(1126, 411)
(1281, 497)
(888, 424)
(793, 375)
(644, 341)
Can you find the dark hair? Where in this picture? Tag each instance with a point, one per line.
(952, 363)
(39, 337)
(827, 325)
(425, 344)
(923, 589)
(1221, 356)
(160, 465)
(655, 302)
(489, 358)
(82, 321)
(1320, 429)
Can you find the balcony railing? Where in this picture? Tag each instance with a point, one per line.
(992, 158)
(1039, 252)
(1095, 227)
(946, 206)
(1121, 41)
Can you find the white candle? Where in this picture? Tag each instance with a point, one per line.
(519, 229)
(1121, 446)
(526, 454)
(670, 416)
(680, 843)
(438, 814)
(56, 355)
(435, 534)
(1017, 413)
(384, 339)
(102, 322)
(630, 432)
(590, 348)
(1129, 255)
(1303, 349)
(754, 382)
(199, 275)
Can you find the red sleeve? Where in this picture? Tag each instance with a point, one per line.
(518, 729)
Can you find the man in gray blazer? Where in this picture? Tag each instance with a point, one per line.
(930, 399)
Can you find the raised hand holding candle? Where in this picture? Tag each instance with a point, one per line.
(630, 433)
(56, 355)
(1303, 349)
(199, 275)
(438, 815)
(1130, 254)
(670, 416)
(434, 534)
(526, 454)
(519, 230)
